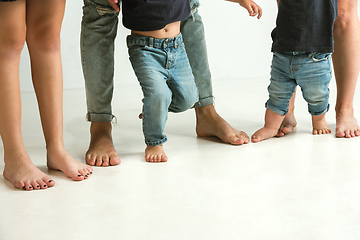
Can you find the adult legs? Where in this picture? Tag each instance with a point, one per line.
(98, 32)
(43, 22)
(346, 61)
(19, 169)
(208, 122)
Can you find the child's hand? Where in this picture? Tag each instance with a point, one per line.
(250, 6)
(114, 4)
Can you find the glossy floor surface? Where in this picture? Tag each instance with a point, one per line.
(296, 187)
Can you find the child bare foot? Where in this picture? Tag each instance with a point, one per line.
(287, 124)
(320, 125)
(271, 127)
(210, 124)
(101, 151)
(62, 161)
(23, 174)
(155, 154)
(263, 133)
(346, 125)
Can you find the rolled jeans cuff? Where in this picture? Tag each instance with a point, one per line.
(204, 102)
(99, 117)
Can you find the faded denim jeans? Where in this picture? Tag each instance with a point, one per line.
(166, 80)
(98, 32)
(311, 71)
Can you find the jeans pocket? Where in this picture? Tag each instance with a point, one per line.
(318, 57)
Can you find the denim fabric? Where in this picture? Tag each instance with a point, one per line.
(311, 71)
(165, 77)
(98, 32)
(192, 30)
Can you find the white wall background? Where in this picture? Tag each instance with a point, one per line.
(238, 45)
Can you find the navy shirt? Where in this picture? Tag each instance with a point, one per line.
(304, 26)
(150, 15)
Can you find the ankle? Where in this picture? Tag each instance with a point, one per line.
(100, 128)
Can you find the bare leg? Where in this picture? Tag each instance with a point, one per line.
(272, 123)
(320, 125)
(289, 121)
(210, 124)
(44, 19)
(19, 169)
(101, 150)
(155, 154)
(346, 60)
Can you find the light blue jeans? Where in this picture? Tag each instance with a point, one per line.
(166, 79)
(311, 71)
(98, 32)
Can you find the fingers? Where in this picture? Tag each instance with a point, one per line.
(253, 9)
(114, 4)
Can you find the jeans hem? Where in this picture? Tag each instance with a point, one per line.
(99, 117)
(156, 143)
(276, 110)
(320, 113)
(204, 102)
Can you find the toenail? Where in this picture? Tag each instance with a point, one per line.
(23, 188)
(50, 181)
(44, 185)
(79, 175)
(30, 187)
(38, 186)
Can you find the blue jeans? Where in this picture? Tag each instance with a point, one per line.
(166, 79)
(311, 71)
(98, 32)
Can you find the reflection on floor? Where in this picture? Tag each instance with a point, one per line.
(296, 187)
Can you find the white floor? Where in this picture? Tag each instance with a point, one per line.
(296, 187)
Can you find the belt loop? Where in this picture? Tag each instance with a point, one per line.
(151, 42)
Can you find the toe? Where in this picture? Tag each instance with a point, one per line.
(91, 160)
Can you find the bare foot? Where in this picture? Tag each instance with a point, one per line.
(155, 154)
(60, 160)
(101, 151)
(210, 124)
(23, 174)
(263, 133)
(346, 125)
(320, 125)
(287, 124)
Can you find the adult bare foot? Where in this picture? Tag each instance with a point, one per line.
(210, 124)
(287, 124)
(59, 159)
(23, 174)
(263, 133)
(346, 125)
(320, 125)
(155, 154)
(101, 151)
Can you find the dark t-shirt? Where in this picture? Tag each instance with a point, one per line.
(304, 26)
(150, 15)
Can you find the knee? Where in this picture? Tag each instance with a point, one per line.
(12, 45)
(183, 104)
(46, 39)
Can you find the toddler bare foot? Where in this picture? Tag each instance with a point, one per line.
(101, 151)
(62, 161)
(263, 133)
(155, 154)
(346, 125)
(23, 174)
(287, 124)
(210, 124)
(320, 125)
